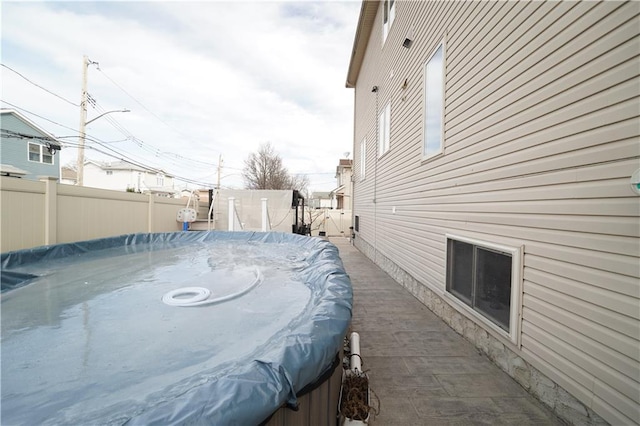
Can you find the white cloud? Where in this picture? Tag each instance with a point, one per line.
(224, 77)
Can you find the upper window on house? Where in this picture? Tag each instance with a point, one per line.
(363, 158)
(34, 152)
(160, 179)
(109, 172)
(384, 130)
(388, 16)
(47, 157)
(39, 154)
(485, 278)
(434, 103)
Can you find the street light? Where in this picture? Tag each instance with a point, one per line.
(83, 125)
(105, 113)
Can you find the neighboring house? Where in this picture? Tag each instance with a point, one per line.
(320, 200)
(342, 194)
(494, 144)
(27, 147)
(124, 176)
(68, 175)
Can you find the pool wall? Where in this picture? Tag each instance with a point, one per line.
(251, 392)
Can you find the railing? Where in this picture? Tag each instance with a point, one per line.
(266, 220)
(210, 212)
(234, 218)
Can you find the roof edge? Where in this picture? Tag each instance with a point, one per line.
(53, 140)
(368, 12)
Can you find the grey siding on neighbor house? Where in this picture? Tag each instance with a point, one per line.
(14, 151)
(541, 138)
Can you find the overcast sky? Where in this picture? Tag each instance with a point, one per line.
(202, 79)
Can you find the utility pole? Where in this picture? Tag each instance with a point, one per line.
(83, 120)
(219, 170)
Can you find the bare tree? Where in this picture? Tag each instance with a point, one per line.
(264, 170)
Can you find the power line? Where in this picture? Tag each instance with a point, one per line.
(140, 142)
(310, 174)
(92, 101)
(145, 146)
(140, 103)
(39, 86)
(128, 160)
(129, 135)
(116, 154)
(39, 116)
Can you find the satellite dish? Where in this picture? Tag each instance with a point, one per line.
(347, 154)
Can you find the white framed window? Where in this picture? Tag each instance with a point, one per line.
(388, 16)
(34, 152)
(384, 130)
(160, 179)
(484, 278)
(433, 126)
(109, 172)
(363, 158)
(39, 153)
(47, 157)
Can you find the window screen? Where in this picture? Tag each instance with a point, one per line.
(481, 278)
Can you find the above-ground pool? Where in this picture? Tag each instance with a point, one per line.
(96, 332)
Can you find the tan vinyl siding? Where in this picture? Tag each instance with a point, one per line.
(542, 135)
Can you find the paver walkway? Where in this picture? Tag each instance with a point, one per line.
(423, 372)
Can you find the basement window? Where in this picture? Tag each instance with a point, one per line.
(485, 278)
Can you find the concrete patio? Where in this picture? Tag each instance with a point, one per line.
(423, 372)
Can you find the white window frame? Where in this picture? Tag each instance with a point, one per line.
(160, 179)
(388, 16)
(42, 153)
(363, 158)
(384, 130)
(515, 314)
(428, 96)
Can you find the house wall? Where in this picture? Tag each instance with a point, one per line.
(15, 152)
(321, 202)
(96, 177)
(120, 179)
(344, 178)
(150, 181)
(541, 138)
(39, 213)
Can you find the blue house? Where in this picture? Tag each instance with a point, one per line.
(26, 149)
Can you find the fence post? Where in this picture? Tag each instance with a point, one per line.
(265, 216)
(50, 209)
(152, 213)
(232, 213)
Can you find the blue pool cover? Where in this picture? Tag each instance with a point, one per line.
(89, 335)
